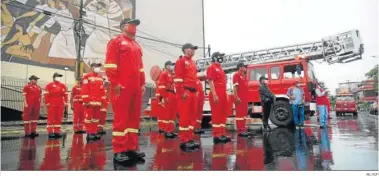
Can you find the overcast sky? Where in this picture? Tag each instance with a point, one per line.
(247, 25)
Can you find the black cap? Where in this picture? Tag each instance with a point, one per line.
(33, 77)
(189, 45)
(95, 65)
(57, 75)
(241, 64)
(262, 78)
(128, 21)
(217, 54)
(168, 63)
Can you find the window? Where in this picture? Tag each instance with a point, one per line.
(311, 73)
(290, 71)
(275, 73)
(256, 73)
(345, 98)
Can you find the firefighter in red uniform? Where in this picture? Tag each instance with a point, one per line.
(241, 94)
(200, 106)
(185, 84)
(218, 98)
(77, 107)
(92, 94)
(32, 106)
(28, 154)
(52, 159)
(55, 99)
(124, 68)
(76, 153)
(159, 109)
(103, 110)
(168, 99)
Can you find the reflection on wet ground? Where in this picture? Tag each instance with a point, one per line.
(350, 144)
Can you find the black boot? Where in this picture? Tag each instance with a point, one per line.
(121, 157)
(244, 134)
(196, 145)
(51, 135)
(170, 135)
(160, 131)
(34, 134)
(221, 139)
(187, 146)
(58, 135)
(135, 155)
(27, 135)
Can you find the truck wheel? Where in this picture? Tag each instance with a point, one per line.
(281, 141)
(281, 114)
(355, 114)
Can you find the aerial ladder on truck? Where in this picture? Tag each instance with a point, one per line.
(340, 48)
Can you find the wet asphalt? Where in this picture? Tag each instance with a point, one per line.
(351, 143)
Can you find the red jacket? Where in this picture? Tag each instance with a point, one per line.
(75, 94)
(92, 89)
(240, 80)
(123, 63)
(323, 100)
(217, 75)
(32, 93)
(185, 74)
(56, 94)
(165, 83)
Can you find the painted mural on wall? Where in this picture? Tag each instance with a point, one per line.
(41, 32)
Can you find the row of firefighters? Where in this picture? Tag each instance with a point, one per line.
(250, 154)
(124, 70)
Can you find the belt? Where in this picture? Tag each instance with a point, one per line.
(170, 90)
(191, 89)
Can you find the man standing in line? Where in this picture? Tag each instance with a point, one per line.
(218, 98)
(322, 103)
(32, 105)
(297, 98)
(77, 107)
(124, 68)
(185, 84)
(168, 99)
(92, 92)
(241, 94)
(267, 100)
(55, 99)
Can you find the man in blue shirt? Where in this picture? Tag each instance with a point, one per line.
(296, 94)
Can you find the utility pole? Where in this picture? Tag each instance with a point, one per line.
(79, 30)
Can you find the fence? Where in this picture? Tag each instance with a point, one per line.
(11, 96)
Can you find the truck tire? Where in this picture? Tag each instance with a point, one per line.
(281, 141)
(355, 114)
(281, 114)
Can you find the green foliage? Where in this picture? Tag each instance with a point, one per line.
(373, 74)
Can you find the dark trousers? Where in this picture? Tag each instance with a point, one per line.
(266, 112)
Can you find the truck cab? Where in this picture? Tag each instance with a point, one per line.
(281, 76)
(345, 103)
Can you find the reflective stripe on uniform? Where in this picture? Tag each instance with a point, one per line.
(178, 80)
(162, 87)
(103, 110)
(219, 155)
(95, 79)
(240, 118)
(132, 130)
(218, 125)
(85, 96)
(95, 103)
(236, 84)
(26, 122)
(110, 66)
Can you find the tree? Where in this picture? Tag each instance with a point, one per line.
(373, 74)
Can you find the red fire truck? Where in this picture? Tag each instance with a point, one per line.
(346, 103)
(283, 66)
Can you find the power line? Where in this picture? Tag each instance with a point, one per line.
(97, 26)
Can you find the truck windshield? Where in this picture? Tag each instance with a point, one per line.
(311, 73)
(345, 98)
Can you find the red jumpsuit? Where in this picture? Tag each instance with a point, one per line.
(103, 110)
(123, 66)
(166, 91)
(220, 109)
(185, 83)
(32, 93)
(76, 153)
(52, 159)
(77, 101)
(27, 154)
(240, 81)
(92, 94)
(55, 99)
(200, 105)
